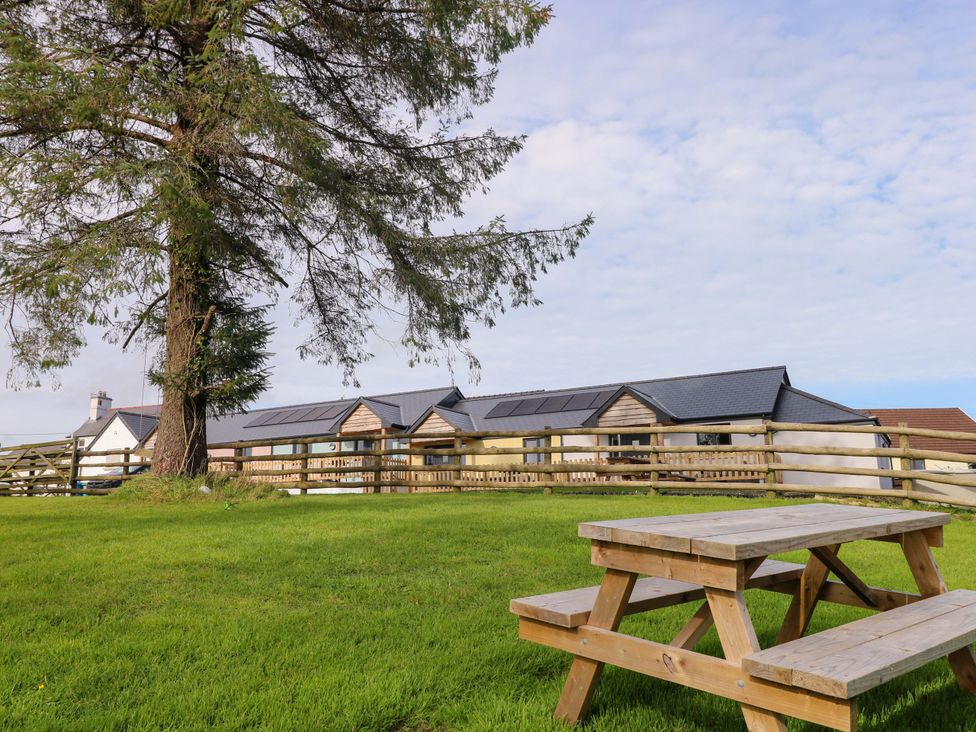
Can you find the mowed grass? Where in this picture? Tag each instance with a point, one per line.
(359, 613)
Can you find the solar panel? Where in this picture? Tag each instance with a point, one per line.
(285, 415)
(528, 406)
(503, 409)
(600, 397)
(579, 401)
(261, 419)
(552, 404)
(318, 413)
(302, 415)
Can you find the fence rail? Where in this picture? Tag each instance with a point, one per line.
(761, 457)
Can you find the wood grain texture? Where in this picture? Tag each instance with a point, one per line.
(805, 599)
(703, 571)
(626, 411)
(571, 608)
(929, 579)
(853, 658)
(584, 674)
(738, 638)
(745, 534)
(694, 670)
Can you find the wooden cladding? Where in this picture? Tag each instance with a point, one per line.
(362, 419)
(435, 424)
(626, 411)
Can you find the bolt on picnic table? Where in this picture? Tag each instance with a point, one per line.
(716, 556)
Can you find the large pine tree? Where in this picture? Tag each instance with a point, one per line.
(167, 164)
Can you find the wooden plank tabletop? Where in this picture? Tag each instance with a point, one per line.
(761, 531)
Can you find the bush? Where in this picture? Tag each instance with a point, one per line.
(151, 488)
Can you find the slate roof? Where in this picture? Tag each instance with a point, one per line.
(400, 408)
(703, 397)
(750, 393)
(93, 427)
(391, 415)
(949, 418)
(457, 420)
(139, 424)
(794, 405)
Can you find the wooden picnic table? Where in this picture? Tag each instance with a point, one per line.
(715, 557)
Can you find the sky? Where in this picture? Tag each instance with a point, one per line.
(773, 183)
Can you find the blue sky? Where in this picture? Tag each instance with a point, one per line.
(774, 183)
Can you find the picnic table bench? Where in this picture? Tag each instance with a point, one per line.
(715, 557)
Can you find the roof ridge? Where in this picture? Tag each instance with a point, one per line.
(420, 391)
(618, 384)
(378, 401)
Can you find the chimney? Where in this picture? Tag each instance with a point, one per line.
(99, 405)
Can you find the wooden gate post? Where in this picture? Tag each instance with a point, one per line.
(73, 468)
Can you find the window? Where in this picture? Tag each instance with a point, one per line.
(247, 451)
(633, 440)
(357, 445)
(437, 459)
(534, 457)
(714, 438)
(442, 459)
(282, 449)
(322, 447)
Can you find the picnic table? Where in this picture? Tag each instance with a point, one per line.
(714, 557)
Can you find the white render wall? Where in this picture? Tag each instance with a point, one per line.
(115, 436)
(832, 439)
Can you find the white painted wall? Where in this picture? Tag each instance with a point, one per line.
(115, 436)
(832, 439)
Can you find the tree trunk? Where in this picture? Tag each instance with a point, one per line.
(181, 442)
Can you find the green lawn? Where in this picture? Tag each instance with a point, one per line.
(358, 613)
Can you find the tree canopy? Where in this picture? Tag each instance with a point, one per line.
(168, 167)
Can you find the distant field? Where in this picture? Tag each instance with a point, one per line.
(358, 613)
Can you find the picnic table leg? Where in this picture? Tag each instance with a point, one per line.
(928, 577)
(695, 628)
(574, 704)
(805, 600)
(738, 638)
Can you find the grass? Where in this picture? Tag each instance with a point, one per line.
(358, 613)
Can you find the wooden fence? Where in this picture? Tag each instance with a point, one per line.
(761, 457)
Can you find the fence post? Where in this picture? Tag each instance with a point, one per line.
(456, 461)
(657, 441)
(126, 455)
(773, 477)
(378, 464)
(547, 460)
(73, 469)
(303, 466)
(907, 484)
